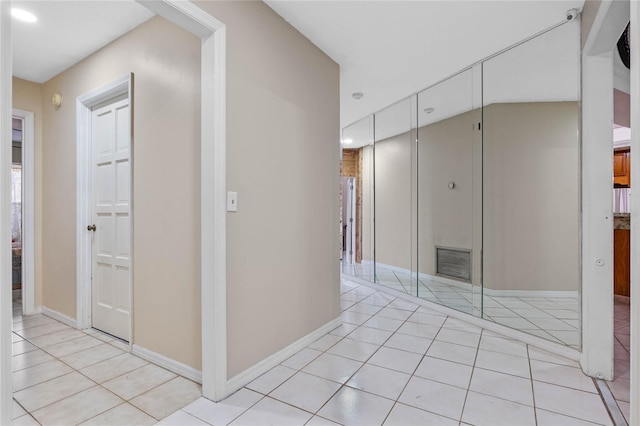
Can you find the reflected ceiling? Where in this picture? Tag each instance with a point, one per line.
(391, 49)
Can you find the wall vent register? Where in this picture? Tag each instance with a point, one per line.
(453, 263)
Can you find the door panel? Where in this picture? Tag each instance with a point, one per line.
(111, 249)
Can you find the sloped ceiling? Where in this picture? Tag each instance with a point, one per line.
(391, 49)
(67, 32)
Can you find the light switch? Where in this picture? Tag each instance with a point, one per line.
(232, 201)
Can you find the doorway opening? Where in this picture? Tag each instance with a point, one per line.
(22, 212)
(348, 220)
(351, 211)
(213, 215)
(622, 187)
(17, 125)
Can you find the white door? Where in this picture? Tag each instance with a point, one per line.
(111, 244)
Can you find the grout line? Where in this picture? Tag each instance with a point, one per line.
(533, 393)
(89, 378)
(473, 369)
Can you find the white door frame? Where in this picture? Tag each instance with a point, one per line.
(597, 197)
(84, 195)
(28, 211)
(213, 171)
(597, 116)
(213, 194)
(635, 221)
(6, 403)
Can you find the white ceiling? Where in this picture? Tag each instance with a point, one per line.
(67, 32)
(391, 49)
(385, 49)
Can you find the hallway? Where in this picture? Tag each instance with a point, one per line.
(63, 376)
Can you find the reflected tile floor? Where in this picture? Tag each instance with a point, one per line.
(620, 386)
(63, 376)
(394, 362)
(552, 318)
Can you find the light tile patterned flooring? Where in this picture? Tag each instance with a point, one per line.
(556, 319)
(63, 376)
(394, 362)
(620, 386)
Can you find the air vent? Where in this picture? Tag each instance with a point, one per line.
(453, 263)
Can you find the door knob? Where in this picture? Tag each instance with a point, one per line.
(91, 228)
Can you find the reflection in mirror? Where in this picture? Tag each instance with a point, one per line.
(531, 186)
(393, 197)
(357, 200)
(448, 140)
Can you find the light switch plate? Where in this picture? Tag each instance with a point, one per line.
(232, 201)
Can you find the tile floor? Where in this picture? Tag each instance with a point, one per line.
(63, 376)
(394, 362)
(620, 386)
(556, 319)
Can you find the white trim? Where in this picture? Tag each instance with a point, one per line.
(486, 291)
(635, 223)
(251, 373)
(71, 322)
(84, 191)
(213, 278)
(539, 342)
(597, 196)
(530, 293)
(28, 211)
(172, 365)
(6, 404)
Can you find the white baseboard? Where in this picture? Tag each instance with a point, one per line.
(35, 311)
(172, 365)
(530, 339)
(59, 317)
(487, 291)
(251, 373)
(559, 294)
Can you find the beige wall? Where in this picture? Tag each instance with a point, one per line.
(393, 185)
(283, 160)
(531, 189)
(445, 219)
(166, 184)
(27, 96)
(530, 195)
(445, 154)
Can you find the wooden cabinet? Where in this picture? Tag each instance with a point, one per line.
(621, 262)
(622, 168)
